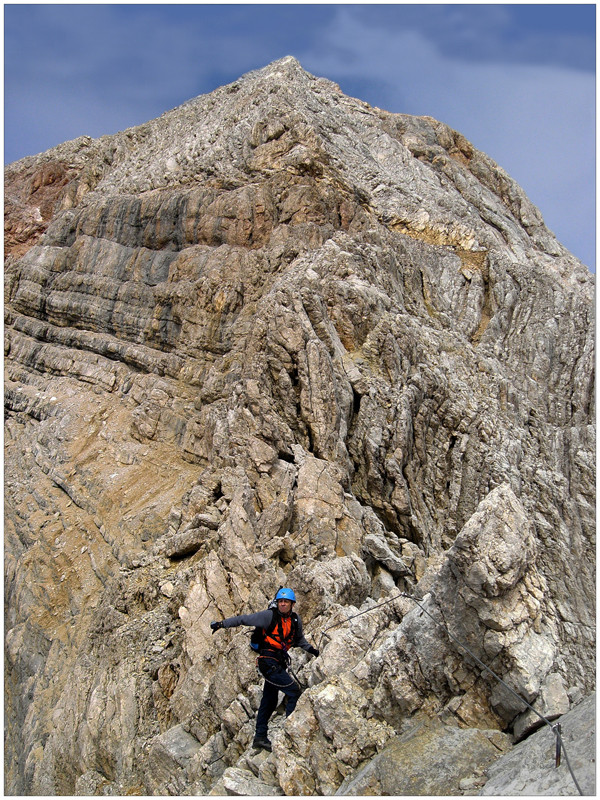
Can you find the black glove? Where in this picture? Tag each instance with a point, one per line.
(313, 651)
(216, 626)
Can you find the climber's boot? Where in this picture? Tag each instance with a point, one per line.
(262, 743)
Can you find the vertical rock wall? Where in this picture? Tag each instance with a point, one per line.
(280, 337)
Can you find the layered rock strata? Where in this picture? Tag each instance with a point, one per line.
(278, 336)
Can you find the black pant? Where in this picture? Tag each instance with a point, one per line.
(277, 679)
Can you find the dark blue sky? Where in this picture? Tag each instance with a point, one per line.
(517, 80)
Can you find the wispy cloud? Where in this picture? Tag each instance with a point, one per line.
(536, 121)
(559, 35)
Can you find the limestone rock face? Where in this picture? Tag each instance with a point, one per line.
(280, 337)
(430, 759)
(530, 768)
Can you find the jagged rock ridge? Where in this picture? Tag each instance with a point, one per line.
(279, 336)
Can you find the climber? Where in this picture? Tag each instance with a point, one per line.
(280, 629)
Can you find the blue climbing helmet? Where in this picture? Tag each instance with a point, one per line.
(285, 594)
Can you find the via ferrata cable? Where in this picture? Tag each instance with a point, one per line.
(556, 728)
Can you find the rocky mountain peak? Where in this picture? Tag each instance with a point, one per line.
(280, 337)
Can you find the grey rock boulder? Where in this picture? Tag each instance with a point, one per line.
(170, 755)
(242, 783)
(529, 769)
(552, 702)
(430, 759)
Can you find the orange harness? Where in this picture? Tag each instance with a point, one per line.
(281, 637)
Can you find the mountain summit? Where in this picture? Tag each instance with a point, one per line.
(280, 337)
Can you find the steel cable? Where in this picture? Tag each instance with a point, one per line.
(556, 728)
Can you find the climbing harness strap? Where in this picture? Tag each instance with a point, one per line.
(291, 674)
(301, 685)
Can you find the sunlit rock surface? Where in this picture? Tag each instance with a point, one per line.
(278, 336)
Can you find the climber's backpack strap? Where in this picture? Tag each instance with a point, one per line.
(258, 634)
